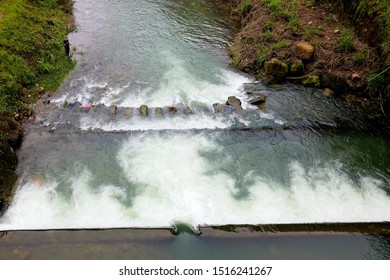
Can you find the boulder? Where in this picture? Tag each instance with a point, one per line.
(144, 110)
(277, 68)
(297, 68)
(304, 50)
(235, 103)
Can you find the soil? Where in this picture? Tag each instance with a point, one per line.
(342, 60)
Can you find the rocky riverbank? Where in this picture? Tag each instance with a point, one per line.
(33, 61)
(340, 48)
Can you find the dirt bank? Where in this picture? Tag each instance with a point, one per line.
(337, 47)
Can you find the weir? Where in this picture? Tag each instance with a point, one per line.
(306, 164)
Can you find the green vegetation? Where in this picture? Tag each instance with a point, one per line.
(345, 43)
(360, 57)
(313, 31)
(286, 10)
(246, 7)
(280, 44)
(31, 48)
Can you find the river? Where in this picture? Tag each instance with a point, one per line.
(307, 158)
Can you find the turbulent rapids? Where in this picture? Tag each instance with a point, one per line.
(304, 159)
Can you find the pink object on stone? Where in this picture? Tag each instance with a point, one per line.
(88, 105)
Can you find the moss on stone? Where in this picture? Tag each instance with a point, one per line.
(312, 81)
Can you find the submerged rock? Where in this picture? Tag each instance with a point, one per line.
(128, 112)
(188, 111)
(218, 108)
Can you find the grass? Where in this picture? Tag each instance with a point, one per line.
(246, 7)
(313, 31)
(31, 48)
(346, 43)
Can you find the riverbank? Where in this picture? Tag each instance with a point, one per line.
(33, 61)
(342, 49)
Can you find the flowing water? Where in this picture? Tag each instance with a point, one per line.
(305, 159)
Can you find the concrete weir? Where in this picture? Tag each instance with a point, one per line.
(287, 241)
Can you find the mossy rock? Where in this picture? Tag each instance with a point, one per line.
(312, 81)
(297, 68)
(277, 68)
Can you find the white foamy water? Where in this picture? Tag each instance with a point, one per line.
(172, 179)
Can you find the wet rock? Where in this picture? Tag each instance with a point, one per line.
(144, 110)
(218, 108)
(172, 110)
(312, 81)
(304, 50)
(113, 110)
(297, 68)
(235, 103)
(188, 111)
(159, 112)
(253, 91)
(328, 92)
(277, 68)
(128, 112)
(258, 100)
(65, 104)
